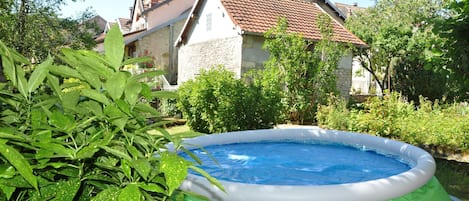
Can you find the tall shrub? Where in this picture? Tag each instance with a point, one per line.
(218, 102)
(62, 142)
(304, 70)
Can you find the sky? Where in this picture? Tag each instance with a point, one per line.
(110, 10)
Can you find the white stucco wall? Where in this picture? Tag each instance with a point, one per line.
(220, 25)
(168, 11)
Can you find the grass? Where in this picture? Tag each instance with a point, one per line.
(178, 129)
(454, 176)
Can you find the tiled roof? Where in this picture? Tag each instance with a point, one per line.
(257, 16)
(125, 24)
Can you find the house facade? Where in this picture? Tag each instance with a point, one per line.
(362, 80)
(230, 33)
(161, 22)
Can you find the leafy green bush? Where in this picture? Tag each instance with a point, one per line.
(217, 102)
(432, 123)
(334, 115)
(300, 68)
(63, 142)
(168, 108)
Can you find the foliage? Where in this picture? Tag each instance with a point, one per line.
(168, 107)
(334, 114)
(398, 33)
(218, 102)
(34, 29)
(303, 70)
(432, 123)
(62, 142)
(454, 52)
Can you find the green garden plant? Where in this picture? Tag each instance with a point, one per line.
(431, 124)
(216, 102)
(303, 71)
(63, 142)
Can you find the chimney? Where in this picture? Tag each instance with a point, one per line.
(131, 9)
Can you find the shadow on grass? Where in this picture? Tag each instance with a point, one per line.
(454, 176)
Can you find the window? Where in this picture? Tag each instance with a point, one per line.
(208, 21)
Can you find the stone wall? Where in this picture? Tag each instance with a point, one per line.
(254, 57)
(160, 46)
(194, 57)
(240, 54)
(253, 54)
(344, 76)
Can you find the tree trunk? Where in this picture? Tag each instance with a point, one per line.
(2, 75)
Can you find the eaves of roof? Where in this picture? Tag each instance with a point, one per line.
(156, 28)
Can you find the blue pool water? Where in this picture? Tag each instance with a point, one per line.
(296, 163)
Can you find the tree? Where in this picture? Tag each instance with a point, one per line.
(304, 71)
(398, 33)
(34, 29)
(454, 52)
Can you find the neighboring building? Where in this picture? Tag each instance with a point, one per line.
(348, 10)
(95, 25)
(162, 21)
(362, 80)
(230, 33)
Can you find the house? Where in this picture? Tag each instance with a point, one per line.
(230, 33)
(158, 24)
(362, 80)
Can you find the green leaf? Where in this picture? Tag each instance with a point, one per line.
(174, 168)
(141, 107)
(114, 47)
(56, 148)
(54, 84)
(95, 96)
(136, 60)
(22, 83)
(151, 188)
(16, 159)
(91, 107)
(42, 136)
(66, 190)
(130, 193)
(62, 190)
(8, 64)
(39, 74)
(8, 191)
(142, 166)
(116, 152)
(132, 91)
(7, 171)
(115, 85)
(17, 181)
(65, 71)
(108, 194)
(70, 100)
(91, 78)
(148, 74)
(88, 151)
(94, 63)
(5, 134)
(211, 179)
(126, 169)
(117, 117)
(63, 122)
